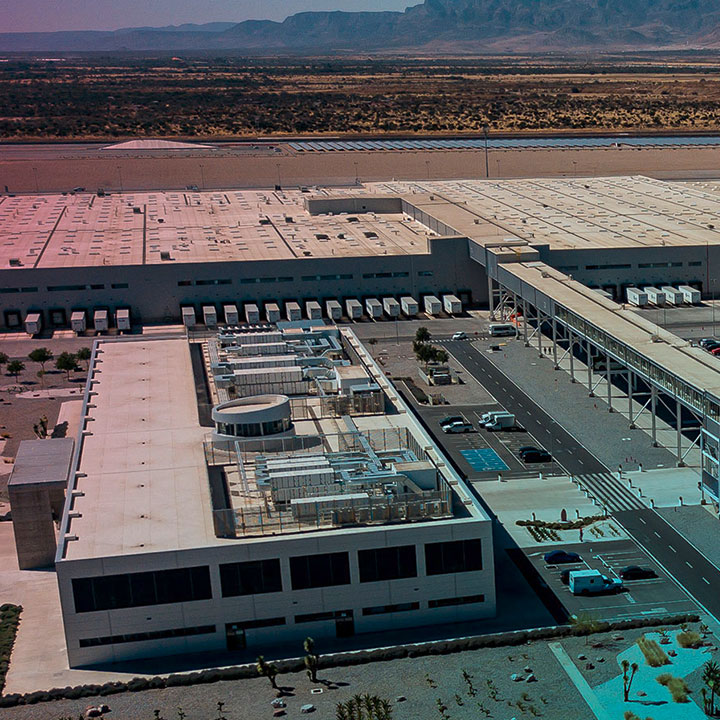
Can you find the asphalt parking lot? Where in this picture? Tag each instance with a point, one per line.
(656, 596)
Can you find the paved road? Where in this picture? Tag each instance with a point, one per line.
(690, 568)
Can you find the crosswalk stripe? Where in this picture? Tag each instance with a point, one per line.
(605, 488)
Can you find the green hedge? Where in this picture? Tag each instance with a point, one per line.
(9, 621)
(358, 657)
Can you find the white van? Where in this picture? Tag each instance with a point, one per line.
(592, 582)
(503, 330)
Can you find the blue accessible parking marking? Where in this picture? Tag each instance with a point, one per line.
(484, 459)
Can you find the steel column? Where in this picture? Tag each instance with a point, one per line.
(653, 411)
(678, 424)
(608, 378)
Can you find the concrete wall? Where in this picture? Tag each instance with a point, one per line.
(33, 509)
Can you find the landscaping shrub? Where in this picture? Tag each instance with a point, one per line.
(677, 686)
(689, 639)
(137, 684)
(9, 621)
(654, 655)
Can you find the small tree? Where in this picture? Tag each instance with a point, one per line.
(3, 359)
(15, 367)
(41, 428)
(268, 670)
(711, 678)
(628, 678)
(441, 356)
(67, 362)
(41, 355)
(41, 376)
(84, 354)
(311, 659)
(585, 623)
(422, 335)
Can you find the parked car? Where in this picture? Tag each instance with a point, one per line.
(709, 341)
(558, 557)
(565, 576)
(459, 335)
(635, 572)
(539, 456)
(711, 346)
(526, 449)
(458, 427)
(715, 350)
(450, 419)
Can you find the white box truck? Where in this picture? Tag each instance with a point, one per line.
(33, 323)
(78, 323)
(432, 305)
(313, 310)
(100, 320)
(655, 296)
(501, 421)
(232, 316)
(409, 306)
(333, 309)
(209, 316)
(122, 319)
(354, 309)
(272, 312)
(593, 582)
(293, 311)
(635, 296)
(188, 316)
(374, 308)
(252, 313)
(452, 305)
(690, 295)
(672, 295)
(391, 307)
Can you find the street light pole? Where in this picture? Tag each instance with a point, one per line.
(37, 186)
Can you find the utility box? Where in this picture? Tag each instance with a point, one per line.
(374, 308)
(690, 295)
(272, 312)
(672, 295)
(33, 323)
(313, 310)
(333, 309)
(655, 296)
(409, 306)
(100, 320)
(432, 305)
(232, 316)
(122, 319)
(391, 307)
(354, 309)
(188, 316)
(293, 311)
(452, 305)
(636, 297)
(209, 316)
(78, 323)
(252, 313)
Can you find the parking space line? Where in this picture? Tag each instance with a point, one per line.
(656, 533)
(688, 564)
(672, 548)
(642, 521)
(706, 580)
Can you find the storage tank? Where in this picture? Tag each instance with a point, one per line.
(209, 316)
(232, 316)
(272, 312)
(333, 309)
(690, 294)
(432, 305)
(122, 319)
(672, 295)
(374, 308)
(391, 307)
(313, 310)
(33, 323)
(452, 305)
(293, 311)
(100, 320)
(636, 297)
(252, 313)
(188, 316)
(78, 322)
(655, 296)
(409, 306)
(354, 309)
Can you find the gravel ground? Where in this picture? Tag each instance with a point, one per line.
(422, 681)
(579, 414)
(698, 526)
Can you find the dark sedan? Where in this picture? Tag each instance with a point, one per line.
(635, 572)
(557, 557)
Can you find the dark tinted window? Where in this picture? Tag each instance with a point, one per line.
(110, 592)
(311, 571)
(453, 557)
(387, 563)
(250, 578)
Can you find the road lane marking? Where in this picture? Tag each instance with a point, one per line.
(642, 521)
(657, 534)
(707, 581)
(688, 564)
(672, 548)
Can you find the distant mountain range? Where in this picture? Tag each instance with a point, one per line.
(440, 26)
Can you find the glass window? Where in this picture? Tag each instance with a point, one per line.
(453, 557)
(250, 578)
(465, 600)
(387, 563)
(323, 570)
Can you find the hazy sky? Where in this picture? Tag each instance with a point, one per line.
(48, 15)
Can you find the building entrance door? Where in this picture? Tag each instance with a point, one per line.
(235, 637)
(345, 625)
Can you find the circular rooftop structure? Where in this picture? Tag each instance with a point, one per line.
(255, 416)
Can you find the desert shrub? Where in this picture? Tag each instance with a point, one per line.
(138, 684)
(9, 621)
(689, 639)
(654, 655)
(677, 686)
(10, 700)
